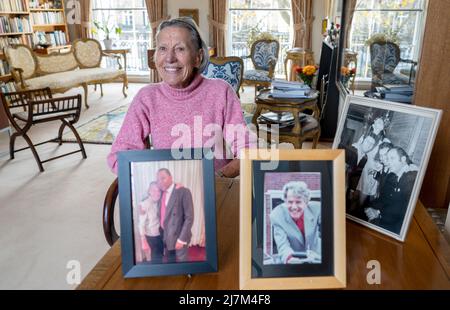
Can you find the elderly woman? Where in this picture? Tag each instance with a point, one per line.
(186, 109)
(296, 225)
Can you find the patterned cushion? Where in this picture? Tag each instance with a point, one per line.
(88, 53)
(230, 72)
(384, 57)
(21, 57)
(264, 52)
(56, 63)
(257, 75)
(73, 78)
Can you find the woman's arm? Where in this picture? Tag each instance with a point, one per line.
(133, 133)
(236, 133)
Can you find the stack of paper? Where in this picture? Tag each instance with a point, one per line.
(288, 89)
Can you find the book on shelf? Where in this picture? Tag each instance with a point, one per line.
(12, 6)
(43, 18)
(7, 87)
(55, 38)
(14, 24)
(36, 4)
(4, 67)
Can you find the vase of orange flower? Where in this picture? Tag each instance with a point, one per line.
(306, 73)
(347, 74)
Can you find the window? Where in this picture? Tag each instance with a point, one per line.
(250, 17)
(400, 19)
(131, 16)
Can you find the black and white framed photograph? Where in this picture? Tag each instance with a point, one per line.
(168, 222)
(292, 219)
(387, 147)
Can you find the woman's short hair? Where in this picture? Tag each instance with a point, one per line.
(189, 24)
(298, 188)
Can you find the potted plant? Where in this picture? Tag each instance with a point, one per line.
(107, 30)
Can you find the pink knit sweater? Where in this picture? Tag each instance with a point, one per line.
(175, 117)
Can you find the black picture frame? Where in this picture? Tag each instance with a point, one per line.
(326, 266)
(129, 266)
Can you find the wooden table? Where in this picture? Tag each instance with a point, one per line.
(294, 135)
(421, 262)
(119, 51)
(299, 57)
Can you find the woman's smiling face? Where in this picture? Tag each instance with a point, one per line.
(176, 56)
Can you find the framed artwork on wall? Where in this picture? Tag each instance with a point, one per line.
(292, 220)
(167, 213)
(192, 13)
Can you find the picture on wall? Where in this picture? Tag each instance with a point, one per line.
(167, 220)
(192, 13)
(292, 220)
(387, 147)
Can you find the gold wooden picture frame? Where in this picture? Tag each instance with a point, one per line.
(192, 13)
(267, 178)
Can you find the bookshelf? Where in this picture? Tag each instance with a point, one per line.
(31, 22)
(49, 24)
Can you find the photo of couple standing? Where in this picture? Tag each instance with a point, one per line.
(168, 211)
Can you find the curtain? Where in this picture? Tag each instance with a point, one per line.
(86, 19)
(157, 12)
(217, 25)
(349, 11)
(189, 174)
(302, 15)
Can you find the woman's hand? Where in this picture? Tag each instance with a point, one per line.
(231, 170)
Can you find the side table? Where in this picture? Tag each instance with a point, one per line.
(301, 130)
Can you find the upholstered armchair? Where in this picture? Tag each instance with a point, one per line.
(264, 56)
(229, 69)
(384, 58)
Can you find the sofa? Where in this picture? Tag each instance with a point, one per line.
(61, 72)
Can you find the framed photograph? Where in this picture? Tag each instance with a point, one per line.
(167, 213)
(192, 13)
(387, 147)
(292, 219)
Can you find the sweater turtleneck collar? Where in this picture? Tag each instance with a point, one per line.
(182, 93)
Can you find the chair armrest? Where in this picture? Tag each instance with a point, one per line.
(18, 76)
(117, 57)
(408, 61)
(245, 57)
(108, 213)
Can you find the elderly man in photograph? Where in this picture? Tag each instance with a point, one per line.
(390, 208)
(296, 225)
(176, 213)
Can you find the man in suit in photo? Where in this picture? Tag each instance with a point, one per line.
(176, 213)
(390, 208)
(296, 225)
(356, 159)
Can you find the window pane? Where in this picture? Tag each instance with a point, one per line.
(402, 25)
(135, 35)
(247, 23)
(390, 4)
(260, 4)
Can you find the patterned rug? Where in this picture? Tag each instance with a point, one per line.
(102, 129)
